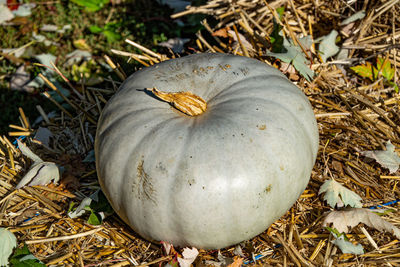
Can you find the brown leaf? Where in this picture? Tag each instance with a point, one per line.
(221, 33)
(342, 220)
(70, 182)
(337, 166)
(20, 20)
(26, 214)
(237, 262)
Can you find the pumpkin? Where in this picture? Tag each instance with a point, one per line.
(214, 177)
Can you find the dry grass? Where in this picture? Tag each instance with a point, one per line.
(353, 115)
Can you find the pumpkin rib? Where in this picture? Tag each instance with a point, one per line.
(127, 116)
(261, 90)
(230, 88)
(269, 102)
(148, 157)
(177, 224)
(133, 148)
(186, 232)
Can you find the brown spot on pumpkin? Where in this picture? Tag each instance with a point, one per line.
(142, 185)
(268, 188)
(262, 127)
(222, 67)
(244, 71)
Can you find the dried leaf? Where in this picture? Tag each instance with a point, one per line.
(347, 246)
(189, 255)
(175, 44)
(295, 56)
(69, 182)
(167, 247)
(336, 194)
(40, 173)
(356, 16)
(16, 52)
(42, 39)
(24, 10)
(237, 262)
(243, 40)
(81, 44)
(328, 46)
(342, 220)
(77, 56)
(11, 4)
(222, 261)
(386, 158)
(238, 251)
(8, 242)
(221, 33)
(54, 28)
(43, 135)
(20, 79)
(28, 153)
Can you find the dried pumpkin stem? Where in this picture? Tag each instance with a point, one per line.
(187, 102)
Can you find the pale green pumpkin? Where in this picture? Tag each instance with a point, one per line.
(214, 179)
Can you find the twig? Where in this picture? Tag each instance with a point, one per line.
(120, 74)
(61, 238)
(144, 49)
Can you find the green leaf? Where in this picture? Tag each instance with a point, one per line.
(112, 26)
(276, 39)
(174, 263)
(112, 36)
(91, 5)
(71, 206)
(95, 29)
(7, 243)
(280, 11)
(94, 218)
(336, 232)
(383, 65)
(396, 87)
(366, 70)
(23, 258)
